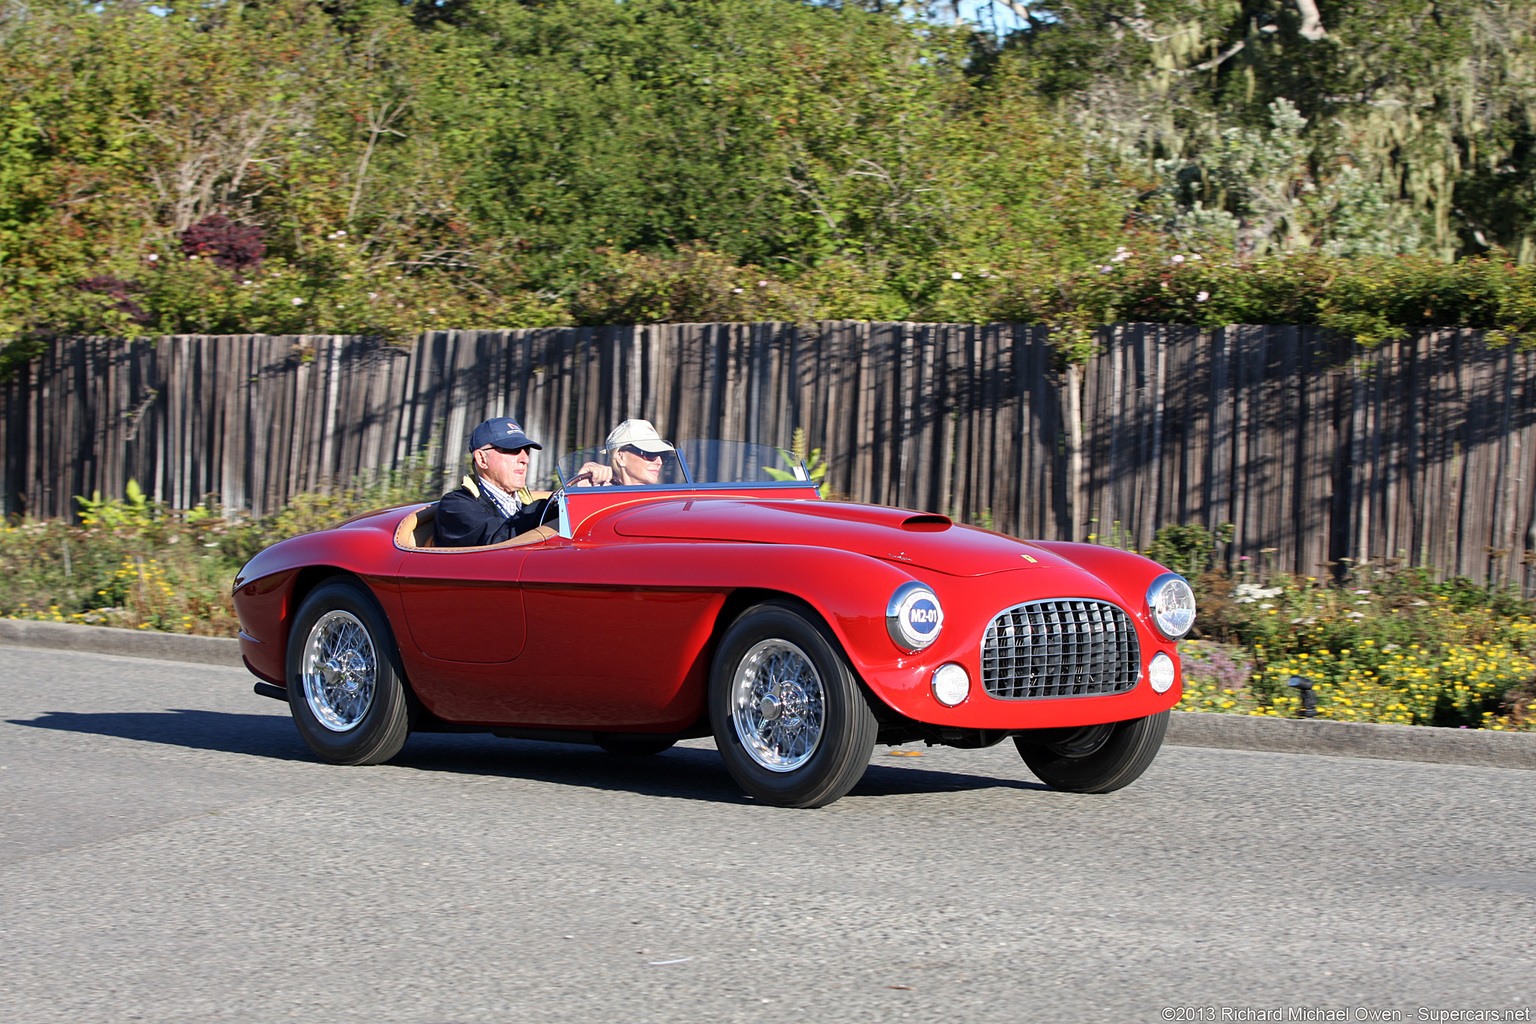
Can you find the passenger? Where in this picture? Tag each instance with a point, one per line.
(636, 453)
(635, 456)
(494, 504)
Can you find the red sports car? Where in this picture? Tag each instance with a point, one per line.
(796, 631)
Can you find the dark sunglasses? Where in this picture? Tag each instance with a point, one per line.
(647, 456)
(506, 451)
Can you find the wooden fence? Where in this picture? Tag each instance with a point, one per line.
(1419, 451)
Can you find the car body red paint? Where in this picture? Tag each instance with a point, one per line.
(540, 635)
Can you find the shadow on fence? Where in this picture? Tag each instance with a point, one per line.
(1420, 451)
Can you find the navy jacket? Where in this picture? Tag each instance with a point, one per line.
(468, 517)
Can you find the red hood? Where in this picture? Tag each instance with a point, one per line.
(905, 538)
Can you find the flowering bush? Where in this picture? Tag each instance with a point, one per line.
(1402, 649)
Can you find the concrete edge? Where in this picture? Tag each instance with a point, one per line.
(1478, 747)
(132, 643)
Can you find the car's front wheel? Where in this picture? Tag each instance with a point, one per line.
(345, 688)
(787, 713)
(1093, 758)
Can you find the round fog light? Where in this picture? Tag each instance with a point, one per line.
(951, 684)
(1160, 672)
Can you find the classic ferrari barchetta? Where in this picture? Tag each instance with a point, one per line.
(798, 632)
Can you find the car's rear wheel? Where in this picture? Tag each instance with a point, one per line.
(787, 713)
(1093, 758)
(345, 687)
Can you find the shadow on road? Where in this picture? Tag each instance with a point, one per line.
(688, 773)
(262, 735)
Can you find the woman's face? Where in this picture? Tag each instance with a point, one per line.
(633, 466)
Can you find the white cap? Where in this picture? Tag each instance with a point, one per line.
(639, 433)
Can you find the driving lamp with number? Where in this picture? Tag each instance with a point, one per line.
(913, 617)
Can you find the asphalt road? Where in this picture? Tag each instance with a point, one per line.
(170, 852)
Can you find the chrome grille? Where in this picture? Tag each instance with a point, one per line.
(1063, 648)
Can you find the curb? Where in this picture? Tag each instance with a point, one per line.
(1477, 747)
(132, 643)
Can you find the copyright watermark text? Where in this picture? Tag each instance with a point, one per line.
(1207, 1013)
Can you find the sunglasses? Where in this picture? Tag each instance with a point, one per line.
(505, 451)
(647, 456)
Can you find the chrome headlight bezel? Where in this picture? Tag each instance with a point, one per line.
(1171, 606)
(911, 607)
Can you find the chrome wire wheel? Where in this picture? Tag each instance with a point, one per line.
(340, 670)
(778, 705)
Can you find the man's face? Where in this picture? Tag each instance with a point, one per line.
(634, 466)
(507, 468)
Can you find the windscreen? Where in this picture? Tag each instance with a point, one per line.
(633, 469)
(692, 462)
(739, 462)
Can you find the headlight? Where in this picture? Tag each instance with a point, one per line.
(1160, 672)
(1172, 605)
(951, 684)
(913, 617)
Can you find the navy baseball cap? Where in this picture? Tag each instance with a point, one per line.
(501, 432)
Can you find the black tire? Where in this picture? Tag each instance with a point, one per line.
(1093, 758)
(634, 748)
(346, 689)
(806, 738)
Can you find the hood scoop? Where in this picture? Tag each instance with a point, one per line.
(927, 522)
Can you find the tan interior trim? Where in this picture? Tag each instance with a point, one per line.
(415, 534)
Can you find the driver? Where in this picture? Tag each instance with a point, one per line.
(494, 504)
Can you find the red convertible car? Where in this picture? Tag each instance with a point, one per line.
(797, 632)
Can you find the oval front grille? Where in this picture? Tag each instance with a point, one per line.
(1063, 648)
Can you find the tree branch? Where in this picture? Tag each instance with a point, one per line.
(1216, 61)
(1311, 21)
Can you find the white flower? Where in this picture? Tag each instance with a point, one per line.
(1176, 259)
(153, 257)
(957, 275)
(735, 291)
(1196, 256)
(1202, 296)
(297, 301)
(1248, 593)
(192, 257)
(762, 284)
(373, 296)
(1106, 269)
